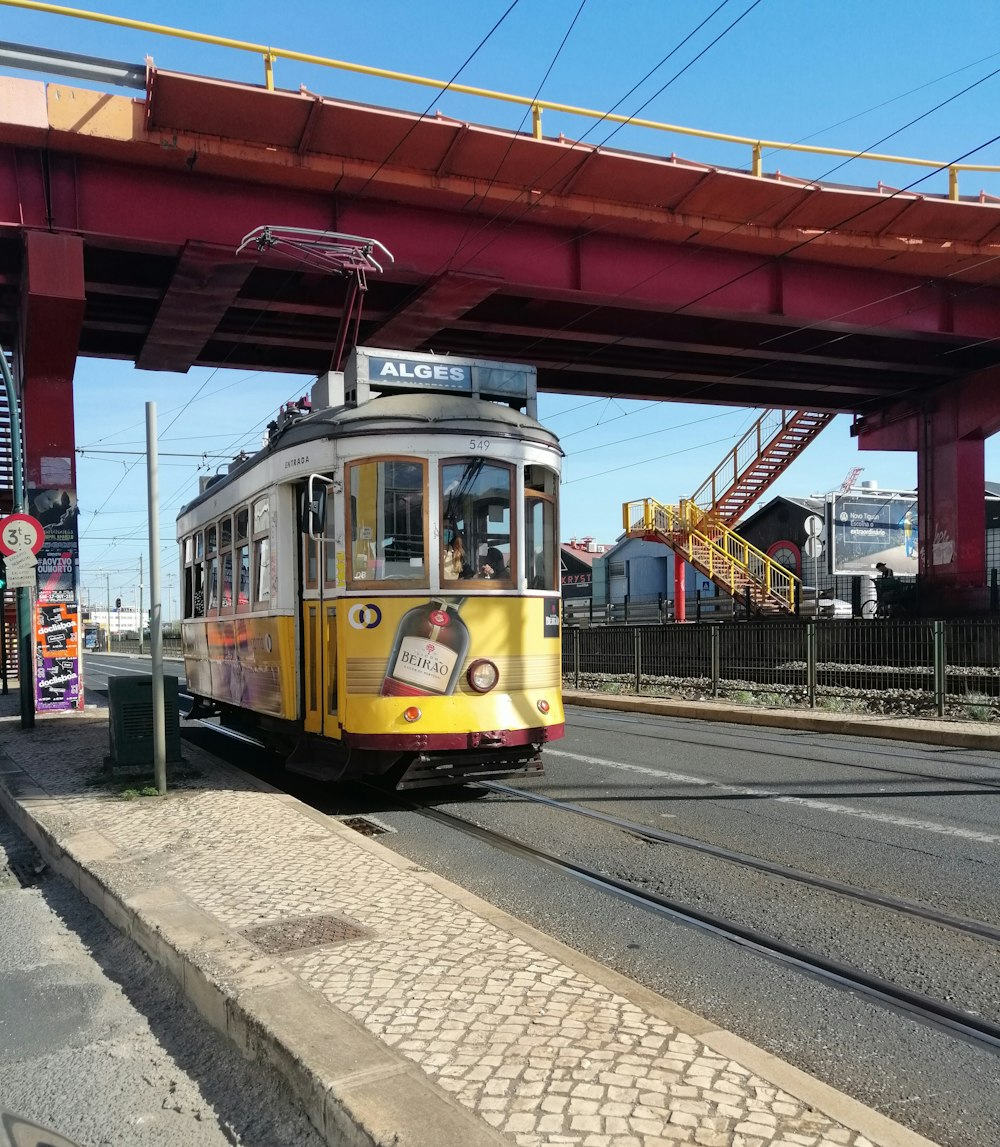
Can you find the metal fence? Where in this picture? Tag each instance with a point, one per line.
(171, 646)
(909, 667)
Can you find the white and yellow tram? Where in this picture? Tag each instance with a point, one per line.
(376, 591)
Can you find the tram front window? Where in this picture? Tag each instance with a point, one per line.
(477, 527)
(387, 521)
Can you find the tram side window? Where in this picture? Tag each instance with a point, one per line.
(212, 577)
(242, 565)
(477, 525)
(388, 535)
(261, 552)
(541, 548)
(194, 576)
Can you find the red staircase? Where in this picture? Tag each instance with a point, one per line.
(760, 457)
(700, 529)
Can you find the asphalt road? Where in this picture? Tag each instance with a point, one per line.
(921, 823)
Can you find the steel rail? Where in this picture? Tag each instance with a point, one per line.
(647, 832)
(537, 106)
(953, 1020)
(929, 1010)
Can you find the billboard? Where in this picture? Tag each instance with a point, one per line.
(870, 526)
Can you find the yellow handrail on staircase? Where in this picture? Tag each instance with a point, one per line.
(728, 560)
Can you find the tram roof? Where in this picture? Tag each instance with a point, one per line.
(400, 413)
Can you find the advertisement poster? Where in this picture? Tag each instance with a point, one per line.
(875, 527)
(424, 647)
(57, 657)
(59, 557)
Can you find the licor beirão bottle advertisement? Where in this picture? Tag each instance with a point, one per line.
(428, 651)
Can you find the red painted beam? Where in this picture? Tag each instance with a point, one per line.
(150, 208)
(440, 303)
(204, 286)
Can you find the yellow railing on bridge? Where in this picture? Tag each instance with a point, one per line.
(722, 555)
(269, 54)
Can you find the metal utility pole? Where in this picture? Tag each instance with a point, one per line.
(107, 580)
(141, 625)
(155, 614)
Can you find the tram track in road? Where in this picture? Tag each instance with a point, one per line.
(965, 1023)
(786, 872)
(925, 1008)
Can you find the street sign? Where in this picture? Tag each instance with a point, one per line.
(22, 575)
(813, 526)
(20, 533)
(813, 547)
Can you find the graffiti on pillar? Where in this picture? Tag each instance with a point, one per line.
(943, 549)
(59, 557)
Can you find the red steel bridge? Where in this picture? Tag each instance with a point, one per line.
(636, 275)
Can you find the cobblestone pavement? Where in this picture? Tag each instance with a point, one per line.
(538, 1050)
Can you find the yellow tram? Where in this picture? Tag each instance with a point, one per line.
(376, 591)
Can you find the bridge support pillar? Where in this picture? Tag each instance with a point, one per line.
(948, 435)
(51, 318)
(52, 303)
(680, 595)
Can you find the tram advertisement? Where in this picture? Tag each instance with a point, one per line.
(406, 647)
(57, 657)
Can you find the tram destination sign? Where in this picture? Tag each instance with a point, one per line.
(371, 369)
(873, 526)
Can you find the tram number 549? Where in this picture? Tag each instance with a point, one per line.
(479, 444)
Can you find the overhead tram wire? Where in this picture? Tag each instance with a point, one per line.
(884, 104)
(749, 222)
(597, 123)
(304, 256)
(770, 261)
(260, 314)
(510, 143)
(533, 205)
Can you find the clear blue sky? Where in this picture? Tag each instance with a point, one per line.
(850, 74)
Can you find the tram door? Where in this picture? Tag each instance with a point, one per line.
(319, 610)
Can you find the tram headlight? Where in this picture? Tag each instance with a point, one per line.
(483, 675)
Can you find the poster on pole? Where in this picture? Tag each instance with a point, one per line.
(57, 657)
(870, 526)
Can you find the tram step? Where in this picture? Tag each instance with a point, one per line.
(316, 770)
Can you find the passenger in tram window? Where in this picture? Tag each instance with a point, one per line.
(455, 565)
(493, 566)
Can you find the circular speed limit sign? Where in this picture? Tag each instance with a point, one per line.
(21, 532)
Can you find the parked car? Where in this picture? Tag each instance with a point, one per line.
(826, 606)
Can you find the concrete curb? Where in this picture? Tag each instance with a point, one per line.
(955, 734)
(355, 1090)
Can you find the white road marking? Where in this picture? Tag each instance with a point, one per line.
(807, 802)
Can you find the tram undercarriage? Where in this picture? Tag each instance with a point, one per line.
(417, 767)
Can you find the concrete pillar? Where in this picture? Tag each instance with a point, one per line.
(948, 432)
(53, 298)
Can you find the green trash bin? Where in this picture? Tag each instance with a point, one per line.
(130, 703)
